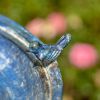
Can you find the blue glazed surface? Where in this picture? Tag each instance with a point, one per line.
(28, 67)
(19, 80)
(56, 79)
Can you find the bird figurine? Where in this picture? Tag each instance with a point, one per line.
(30, 44)
(28, 67)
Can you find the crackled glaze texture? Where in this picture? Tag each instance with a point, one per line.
(19, 79)
(28, 67)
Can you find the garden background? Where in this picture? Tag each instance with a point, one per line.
(49, 20)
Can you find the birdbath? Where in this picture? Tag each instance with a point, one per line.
(28, 67)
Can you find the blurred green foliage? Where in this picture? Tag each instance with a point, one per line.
(79, 84)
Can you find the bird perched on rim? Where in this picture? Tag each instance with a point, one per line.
(43, 53)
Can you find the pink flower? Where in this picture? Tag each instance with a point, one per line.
(48, 28)
(58, 21)
(83, 55)
(35, 26)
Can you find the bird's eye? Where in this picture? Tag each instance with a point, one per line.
(34, 44)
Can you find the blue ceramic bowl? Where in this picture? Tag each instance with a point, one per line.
(20, 77)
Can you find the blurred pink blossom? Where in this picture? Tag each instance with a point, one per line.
(58, 21)
(48, 28)
(35, 26)
(83, 55)
(41, 28)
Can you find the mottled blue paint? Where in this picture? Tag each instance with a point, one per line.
(19, 80)
(28, 72)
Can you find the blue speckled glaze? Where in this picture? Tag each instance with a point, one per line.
(19, 80)
(28, 67)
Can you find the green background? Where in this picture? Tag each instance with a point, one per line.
(78, 84)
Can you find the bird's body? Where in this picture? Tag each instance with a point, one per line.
(31, 44)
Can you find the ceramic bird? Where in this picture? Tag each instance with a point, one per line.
(28, 67)
(30, 44)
